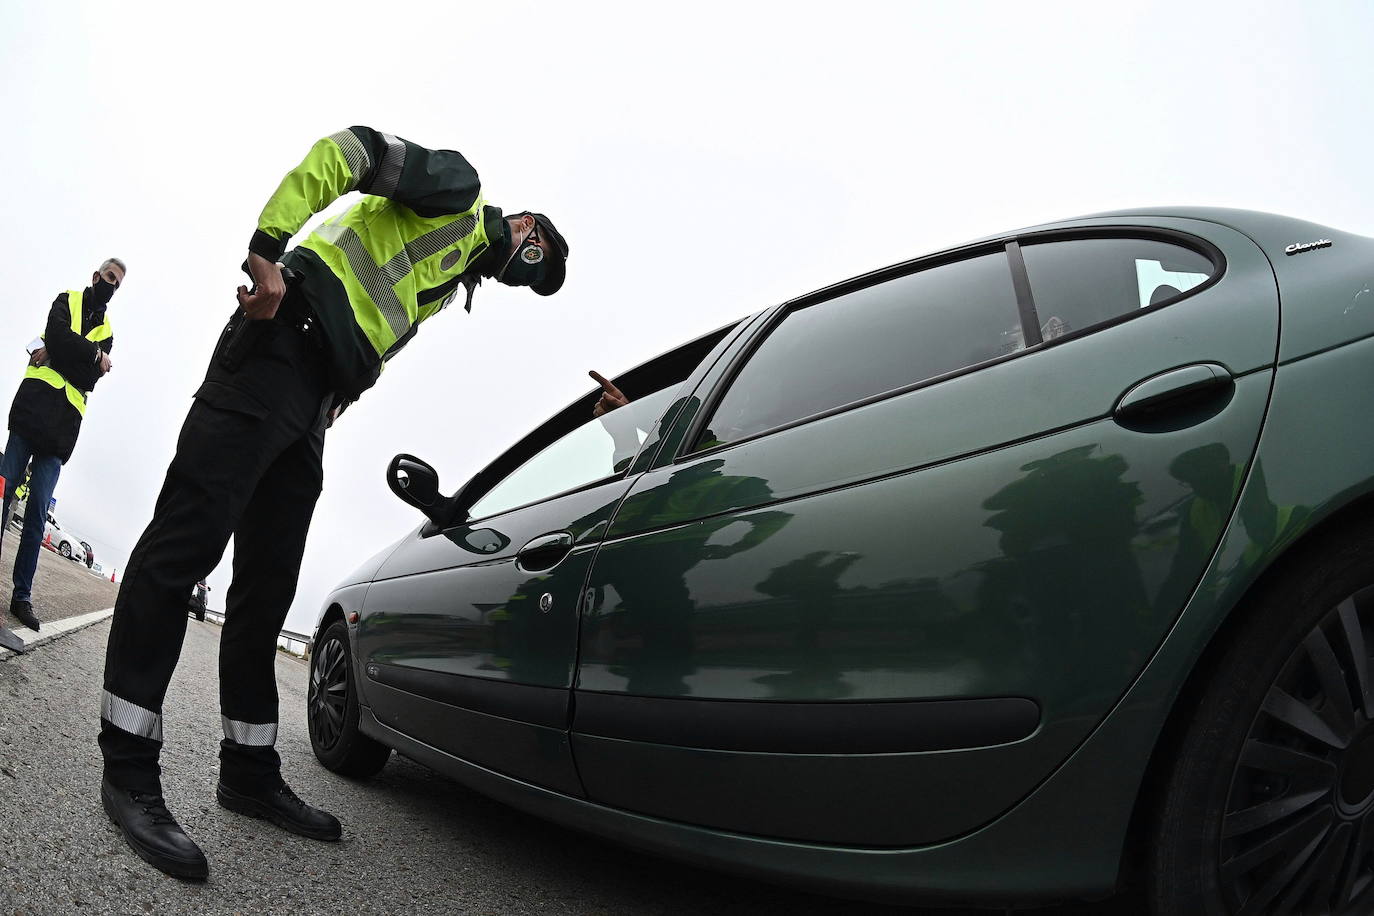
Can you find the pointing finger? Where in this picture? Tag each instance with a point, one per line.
(606, 384)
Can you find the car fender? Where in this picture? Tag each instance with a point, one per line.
(342, 604)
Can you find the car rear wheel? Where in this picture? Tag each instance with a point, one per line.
(1269, 807)
(332, 710)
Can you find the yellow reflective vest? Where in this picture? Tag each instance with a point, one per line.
(373, 273)
(51, 376)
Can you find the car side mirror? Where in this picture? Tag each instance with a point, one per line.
(416, 483)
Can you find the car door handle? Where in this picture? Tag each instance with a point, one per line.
(1175, 389)
(545, 551)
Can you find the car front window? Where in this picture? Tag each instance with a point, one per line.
(602, 447)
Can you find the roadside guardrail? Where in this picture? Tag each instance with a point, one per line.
(300, 644)
(294, 640)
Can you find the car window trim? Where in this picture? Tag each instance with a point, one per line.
(688, 449)
(666, 448)
(1031, 334)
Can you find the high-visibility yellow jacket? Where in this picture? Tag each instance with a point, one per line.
(51, 401)
(375, 272)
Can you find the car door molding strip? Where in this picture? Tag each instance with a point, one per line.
(547, 706)
(774, 727)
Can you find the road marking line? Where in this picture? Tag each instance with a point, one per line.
(55, 629)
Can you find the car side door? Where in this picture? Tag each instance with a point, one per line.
(922, 532)
(468, 632)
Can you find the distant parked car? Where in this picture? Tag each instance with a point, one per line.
(66, 542)
(1000, 576)
(199, 600)
(76, 548)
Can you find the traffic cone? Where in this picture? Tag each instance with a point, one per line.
(112, 574)
(47, 541)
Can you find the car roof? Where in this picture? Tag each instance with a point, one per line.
(1251, 222)
(1271, 231)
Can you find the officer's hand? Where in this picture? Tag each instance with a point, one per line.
(268, 289)
(38, 357)
(106, 364)
(611, 396)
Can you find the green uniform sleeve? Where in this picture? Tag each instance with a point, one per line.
(430, 182)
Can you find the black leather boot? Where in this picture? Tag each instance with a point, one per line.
(22, 611)
(152, 832)
(283, 808)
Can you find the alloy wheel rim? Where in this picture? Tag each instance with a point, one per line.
(1297, 835)
(328, 693)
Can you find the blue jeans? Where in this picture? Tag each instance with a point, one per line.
(42, 481)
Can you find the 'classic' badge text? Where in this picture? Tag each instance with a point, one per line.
(1300, 247)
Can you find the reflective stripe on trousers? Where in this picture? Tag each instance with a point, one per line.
(130, 717)
(251, 734)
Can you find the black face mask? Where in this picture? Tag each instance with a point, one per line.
(526, 266)
(101, 292)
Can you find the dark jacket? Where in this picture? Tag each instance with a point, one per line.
(41, 413)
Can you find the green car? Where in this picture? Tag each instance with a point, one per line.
(1021, 572)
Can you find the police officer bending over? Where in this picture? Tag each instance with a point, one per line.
(310, 337)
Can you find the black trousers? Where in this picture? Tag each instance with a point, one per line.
(247, 464)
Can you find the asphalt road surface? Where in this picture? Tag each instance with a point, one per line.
(414, 841)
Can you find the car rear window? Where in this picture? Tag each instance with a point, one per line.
(1080, 283)
(877, 339)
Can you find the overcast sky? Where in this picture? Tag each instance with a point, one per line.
(704, 160)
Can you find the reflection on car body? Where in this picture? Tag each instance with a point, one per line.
(949, 564)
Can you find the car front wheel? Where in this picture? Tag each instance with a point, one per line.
(1269, 808)
(332, 710)
(65, 549)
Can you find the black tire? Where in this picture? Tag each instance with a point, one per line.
(1269, 805)
(332, 710)
(65, 549)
